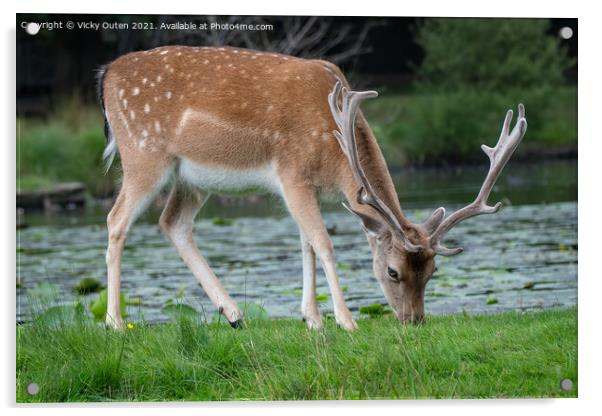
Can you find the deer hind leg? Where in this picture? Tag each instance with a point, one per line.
(136, 193)
(302, 202)
(309, 305)
(177, 221)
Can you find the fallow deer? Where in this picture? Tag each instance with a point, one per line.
(215, 119)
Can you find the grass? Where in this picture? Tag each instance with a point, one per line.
(459, 356)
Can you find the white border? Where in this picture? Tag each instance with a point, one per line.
(589, 195)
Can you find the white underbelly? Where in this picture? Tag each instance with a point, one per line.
(217, 179)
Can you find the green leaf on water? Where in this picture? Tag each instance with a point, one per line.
(88, 285)
(222, 221)
(344, 266)
(178, 311)
(375, 310)
(98, 307)
(62, 315)
(134, 301)
(529, 285)
(322, 297)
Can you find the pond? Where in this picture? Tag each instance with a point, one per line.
(524, 257)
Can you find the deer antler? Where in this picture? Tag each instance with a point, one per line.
(344, 117)
(498, 157)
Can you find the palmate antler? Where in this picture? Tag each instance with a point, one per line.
(344, 118)
(498, 157)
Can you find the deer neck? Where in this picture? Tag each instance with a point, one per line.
(377, 172)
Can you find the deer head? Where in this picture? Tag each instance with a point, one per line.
(404, 253)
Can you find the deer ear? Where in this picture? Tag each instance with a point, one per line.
(372, 227)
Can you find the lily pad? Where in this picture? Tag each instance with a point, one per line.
(322, 297)
(178, 311)
(88, 285)
(222, 221)
(344, 266)
(529, 285)
(98, 307)
(375, 310)
(62, 315)
(492, 301)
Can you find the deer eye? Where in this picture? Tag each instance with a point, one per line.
(393, 274)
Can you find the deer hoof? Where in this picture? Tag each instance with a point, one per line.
(238, 324)
(349, 325)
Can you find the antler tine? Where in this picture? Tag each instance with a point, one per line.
(344, 117)
(498, 157)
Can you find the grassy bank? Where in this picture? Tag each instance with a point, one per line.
(65, 147)
(506, 355)
(426, 128)
(414, 128)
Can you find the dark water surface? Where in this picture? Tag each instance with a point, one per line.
(524, 257)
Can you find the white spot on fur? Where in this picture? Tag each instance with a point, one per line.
(144, 81)
(146, 108)
(125, 104)
(164, 52)
(136, 91)
(157, 126)
(168, 95)
(159, 78)
(121, 92)
(132, 115)
(144, 133)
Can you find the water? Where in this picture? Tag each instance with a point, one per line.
(524, 257)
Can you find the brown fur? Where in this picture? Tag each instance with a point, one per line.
(237, 109)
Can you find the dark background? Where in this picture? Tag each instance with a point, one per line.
(57, 63)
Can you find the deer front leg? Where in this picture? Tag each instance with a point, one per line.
(302, 202)
(309, 305)
(177, 221)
